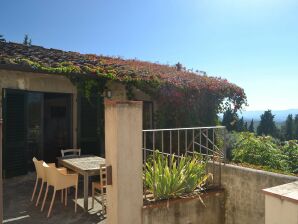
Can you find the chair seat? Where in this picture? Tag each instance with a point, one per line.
(62, 170)
(97, 185)
(71, 171)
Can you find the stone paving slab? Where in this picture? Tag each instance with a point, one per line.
(18, 208)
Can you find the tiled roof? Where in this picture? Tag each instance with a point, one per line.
(38, 58)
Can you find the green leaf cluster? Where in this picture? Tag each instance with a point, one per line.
(167, 177)
(290, 149)
(265, 151)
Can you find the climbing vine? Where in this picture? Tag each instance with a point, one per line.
(129, 90)
(183, 98)
(89, 86)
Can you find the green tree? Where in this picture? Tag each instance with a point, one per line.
(240, 125)
(230, 119)
(2, 39)
(251, 126)
(267, 125)
(27, 41)
(245, 126)
(289, 129)
(296, 127)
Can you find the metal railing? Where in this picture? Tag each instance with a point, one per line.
(208, 142)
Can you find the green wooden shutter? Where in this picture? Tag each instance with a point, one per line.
(91, 126)
(14, 153)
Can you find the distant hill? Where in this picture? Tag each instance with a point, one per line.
(280, 115)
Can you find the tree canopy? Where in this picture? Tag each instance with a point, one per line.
(267, 125)
(2, 39)
(27, 40)
(296, 127)
(251, 127)
(230, 119)
(241, 125)
(289, 129)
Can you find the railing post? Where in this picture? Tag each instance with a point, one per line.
(123, 143)
(225, 146)
(1, 182)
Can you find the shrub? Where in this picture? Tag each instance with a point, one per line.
(167, 178)
(290, 149)
(261, 150)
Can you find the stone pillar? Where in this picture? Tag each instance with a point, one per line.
(281, 204)
(123, 147)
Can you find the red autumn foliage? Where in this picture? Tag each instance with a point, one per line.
(125, 70)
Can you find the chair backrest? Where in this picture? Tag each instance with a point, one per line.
(103, 174)
(38, 167)
(50, 173)
(70, 152)
(103, 183)
(59, 180)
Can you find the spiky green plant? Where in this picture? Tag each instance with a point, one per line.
(169, 178)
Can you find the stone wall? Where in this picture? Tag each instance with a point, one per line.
(245, 201)
(187, 211)
(242, 202)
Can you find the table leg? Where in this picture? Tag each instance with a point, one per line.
(86, 181)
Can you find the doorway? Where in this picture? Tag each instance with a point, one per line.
(37, 125)
(57, 125)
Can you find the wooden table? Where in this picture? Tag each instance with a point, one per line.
(86, 165)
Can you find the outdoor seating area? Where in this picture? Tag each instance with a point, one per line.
(86, 166)
(19, 209)
(64, 179)
(200, 154)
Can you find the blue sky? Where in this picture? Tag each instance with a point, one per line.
(253, 43)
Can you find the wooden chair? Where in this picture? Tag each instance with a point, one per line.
(41, 175)
(60, 181)
(70, 152)
(99, 188)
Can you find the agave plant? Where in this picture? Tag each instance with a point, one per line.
(167, 177)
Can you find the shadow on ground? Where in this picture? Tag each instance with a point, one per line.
(18, 208)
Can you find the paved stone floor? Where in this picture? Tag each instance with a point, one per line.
(18, 208)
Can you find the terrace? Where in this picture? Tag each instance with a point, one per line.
(47, 98)
(181, 142)
(234, 193)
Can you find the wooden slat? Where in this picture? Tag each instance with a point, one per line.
(15, 135)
